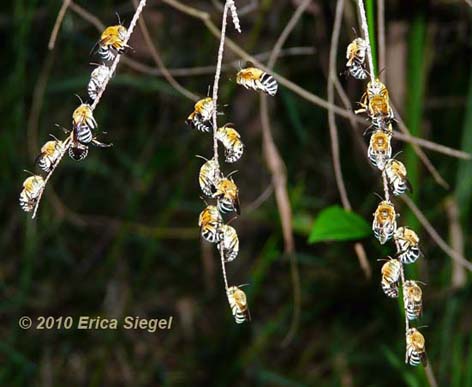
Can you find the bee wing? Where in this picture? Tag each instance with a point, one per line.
(408, 185)
(424, 359)
(94, 48)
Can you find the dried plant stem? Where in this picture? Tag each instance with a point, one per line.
(381, 36)
(67, 143)
(365, 32)
(223, 265)
(58, 23)
(216, 81)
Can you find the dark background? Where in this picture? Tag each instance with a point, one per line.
(117, 234)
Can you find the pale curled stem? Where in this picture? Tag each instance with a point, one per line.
(67, 143)
(217, 77)
(223, 264)
(365, 32)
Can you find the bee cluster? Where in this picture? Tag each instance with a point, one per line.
(113, 42)
(375, 104)
(222, 189)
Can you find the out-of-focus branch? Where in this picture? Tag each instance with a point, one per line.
(381, 37)
(279, 175)
(458, 257)
(456, 237)
(159, 62)
(58, 23)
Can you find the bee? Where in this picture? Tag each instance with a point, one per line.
(390, 277)
(209, 176)
(395, 172)
(32, 188)
(379, 150)
(375, 102)
(78, 150)
(210, 222)
(83, 122)
(407, 242)
(229, 243)
(258, 80)
(201, 116)
(98, 79)
(413, 300)
(415, 348)
(112, 42)
(50, 152)
(355, 55)
(231, 140)
(238, 303)
(385, 222)
(227, 194)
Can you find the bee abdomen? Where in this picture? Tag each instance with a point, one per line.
(78, 152)
(269, 84)
(410, 255)
(390, 288)
(106, 53)
(415, 358)
(84, 134)
(358, 71)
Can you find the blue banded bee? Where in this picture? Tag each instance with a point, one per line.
(412, 296)
(200, 118)
(229, 243)
(78, 150)
(238, 303)
(415, 348)
(227, 194)
(395, 172)
(385, 221)
(98, 78)
(407, 242)
(209, 176)
(112, 42)
(380, 149)
(83, 122)
(32, 187)
(231, 140)
(355, 55)
(210, 222)
(50, 152)
(390, 277)
(258, 80)
(375, 102)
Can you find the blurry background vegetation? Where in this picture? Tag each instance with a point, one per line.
(116, 234)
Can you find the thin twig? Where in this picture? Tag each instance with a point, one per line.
(67, 143)
(456, 238)
(365, 32)
(160, 64)
(435, 236)
(58, 23)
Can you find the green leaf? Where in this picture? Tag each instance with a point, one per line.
(336, 224)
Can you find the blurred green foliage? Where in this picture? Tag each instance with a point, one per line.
(116, 234)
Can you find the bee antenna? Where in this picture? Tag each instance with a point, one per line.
(204, 200)
(80, 99)
(396, 154)
(387, 258)
(208, 91)
(61, 127)
(422, 326)
(231, 173)
(118, 17)
(381, 71)
(54, 137)
(380, 197)
(243, 285)
(29, 172)
(202, 157)
(354, 30)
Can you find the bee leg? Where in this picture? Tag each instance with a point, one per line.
(101, 144)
